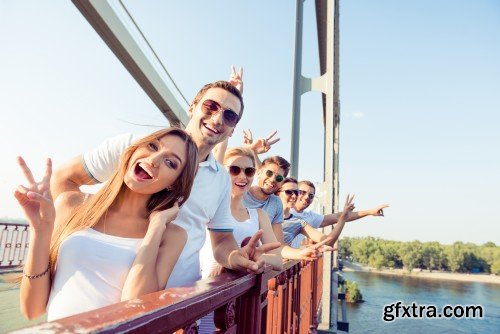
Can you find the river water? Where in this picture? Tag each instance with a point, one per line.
(379, 290)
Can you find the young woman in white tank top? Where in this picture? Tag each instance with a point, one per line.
(118, 244)
(240, 164)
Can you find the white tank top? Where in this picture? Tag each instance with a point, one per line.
(241, 230)
(90, 273)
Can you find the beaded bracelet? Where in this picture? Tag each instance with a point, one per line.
(38, 275)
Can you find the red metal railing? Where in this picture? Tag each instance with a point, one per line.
(272, 302)
(14, 239)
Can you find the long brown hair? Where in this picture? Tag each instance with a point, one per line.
(91, 211)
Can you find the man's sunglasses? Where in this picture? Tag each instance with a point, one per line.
(236, 170)
(210, 108)
(305, 193)
(291, 192)
(278, 178)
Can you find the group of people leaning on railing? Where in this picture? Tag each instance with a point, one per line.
(146, 228)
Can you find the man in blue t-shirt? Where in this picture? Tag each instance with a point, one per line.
(307, 192)
(271, 174)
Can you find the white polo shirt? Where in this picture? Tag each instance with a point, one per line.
(208, 206)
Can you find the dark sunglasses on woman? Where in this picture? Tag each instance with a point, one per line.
(210, 108)
(236, 170)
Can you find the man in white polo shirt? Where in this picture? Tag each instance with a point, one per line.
(214, 113)
(307, 191)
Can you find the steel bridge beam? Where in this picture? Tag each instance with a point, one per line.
(327, 19)
(113, 23)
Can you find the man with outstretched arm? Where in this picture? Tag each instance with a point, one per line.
(271, 174)
(214, 113)
(307, 191)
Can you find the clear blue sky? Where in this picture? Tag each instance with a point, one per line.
(420, 110)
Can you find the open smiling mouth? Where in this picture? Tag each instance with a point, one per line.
(142, 173)
(241, 185)
(211, 129)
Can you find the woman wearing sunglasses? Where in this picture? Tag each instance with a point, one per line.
(89, 252)
(240, 164)
(293, 226)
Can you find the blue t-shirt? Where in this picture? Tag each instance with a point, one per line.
(292, 227)
(272, 206)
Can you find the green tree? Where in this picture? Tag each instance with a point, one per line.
(495, 266)
(377, 259)
(411, 255)
(391, 254)
(456, 256)
(352, 292)
(432, 255)
(345, 247)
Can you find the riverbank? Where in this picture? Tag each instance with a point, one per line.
(418, 273)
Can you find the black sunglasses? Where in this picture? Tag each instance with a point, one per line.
(210, 108)
(236, 170)
(291, 192)
(309, 195)
(278, 178)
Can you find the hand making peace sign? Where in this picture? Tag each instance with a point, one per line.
(261, 145)
(236, 78)
(36, 199)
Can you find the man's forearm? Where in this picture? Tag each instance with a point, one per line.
(333, 218)
(223, 248)
(291, 253)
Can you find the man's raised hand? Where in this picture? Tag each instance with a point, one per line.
(236, 78)
(379, 210)
(260, 145)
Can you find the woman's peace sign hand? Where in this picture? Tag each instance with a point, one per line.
(35, 198)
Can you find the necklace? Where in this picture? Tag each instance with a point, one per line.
(105, 218)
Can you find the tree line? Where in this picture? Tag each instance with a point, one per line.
(458, 257)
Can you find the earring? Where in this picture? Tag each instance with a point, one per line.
(168, 188)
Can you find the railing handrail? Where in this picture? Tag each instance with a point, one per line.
(6, 224)
(171, 309)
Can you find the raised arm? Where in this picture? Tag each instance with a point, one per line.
(333, 236)
(334, 217)
(40, 211)
(236, 78)
(260, 145)
(157, 255)
(36, 201)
